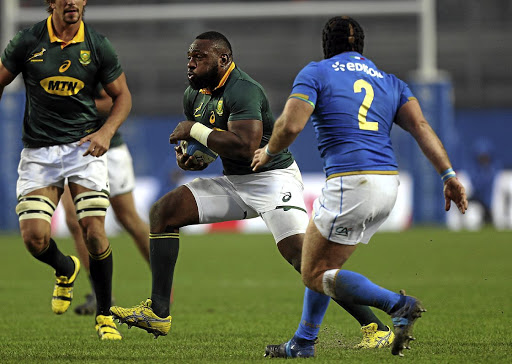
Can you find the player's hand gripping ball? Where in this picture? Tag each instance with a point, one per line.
(199, 151)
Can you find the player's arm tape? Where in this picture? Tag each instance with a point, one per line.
(200, 133)
(447, 174)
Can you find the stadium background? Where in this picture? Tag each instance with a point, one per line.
(473, 54)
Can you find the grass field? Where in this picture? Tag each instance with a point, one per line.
(234, 295)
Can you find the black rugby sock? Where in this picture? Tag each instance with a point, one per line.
(363, 314)
(163, 253)
(101, 267)
(51, 255)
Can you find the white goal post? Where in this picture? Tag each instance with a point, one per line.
(12, 15)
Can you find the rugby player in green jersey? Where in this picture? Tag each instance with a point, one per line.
(122, 182)
(228, 112)
(62, 60)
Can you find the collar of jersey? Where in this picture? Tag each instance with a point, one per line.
(222, 81)
(78, 38)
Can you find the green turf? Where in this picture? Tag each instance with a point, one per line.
(235, 294)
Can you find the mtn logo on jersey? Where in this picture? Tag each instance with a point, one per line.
(356, 67)
(61, 85)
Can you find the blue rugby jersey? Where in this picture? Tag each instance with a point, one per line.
(355, 107)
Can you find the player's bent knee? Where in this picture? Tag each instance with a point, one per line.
(313, 279)
(173, 211)
(326, 281)
(291, 249)
(91, 203)
(35, 207)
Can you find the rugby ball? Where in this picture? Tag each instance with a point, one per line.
(199, 151)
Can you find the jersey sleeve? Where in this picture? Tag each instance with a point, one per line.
(246, 102)
(13, 57)
(405, 95)
(111, 68)
(307, 84)
(188, 105)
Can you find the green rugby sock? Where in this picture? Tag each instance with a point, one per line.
(363, 314)
(101, 267)
(163, 253)
(52, 256)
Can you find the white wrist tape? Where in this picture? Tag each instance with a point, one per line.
(200, 133)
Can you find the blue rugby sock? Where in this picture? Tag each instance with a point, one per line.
(313, 311)
(356, 287)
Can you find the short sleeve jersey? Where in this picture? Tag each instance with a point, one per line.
(237, 97)
(60, 81)
(355, 105)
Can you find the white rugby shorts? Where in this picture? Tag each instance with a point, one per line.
(350, 209)
(120, 170)
(50, 166)
(276, 196)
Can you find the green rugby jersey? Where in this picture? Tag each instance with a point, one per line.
(237, 97)
(60, 81)
(117, 140)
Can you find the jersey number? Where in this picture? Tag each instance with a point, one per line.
(359, 85)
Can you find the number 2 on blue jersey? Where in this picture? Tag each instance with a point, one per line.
(359, 85)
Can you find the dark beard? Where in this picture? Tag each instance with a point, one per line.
(211, 79)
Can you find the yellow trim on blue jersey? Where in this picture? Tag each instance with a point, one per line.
(412, 98)
(301, 97)
(78, 38)
(222, 80)
(334, 175)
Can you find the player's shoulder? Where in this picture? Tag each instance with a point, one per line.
(190, 93)
(313, 68)
(239, 78)
(240, 83)
(94, 36)
(33, 33)
(90, 30)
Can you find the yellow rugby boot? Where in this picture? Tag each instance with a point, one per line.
(143, 317)
(63, 290)
(106, 328)
(374, 338)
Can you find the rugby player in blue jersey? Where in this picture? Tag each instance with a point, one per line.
(353, 106)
